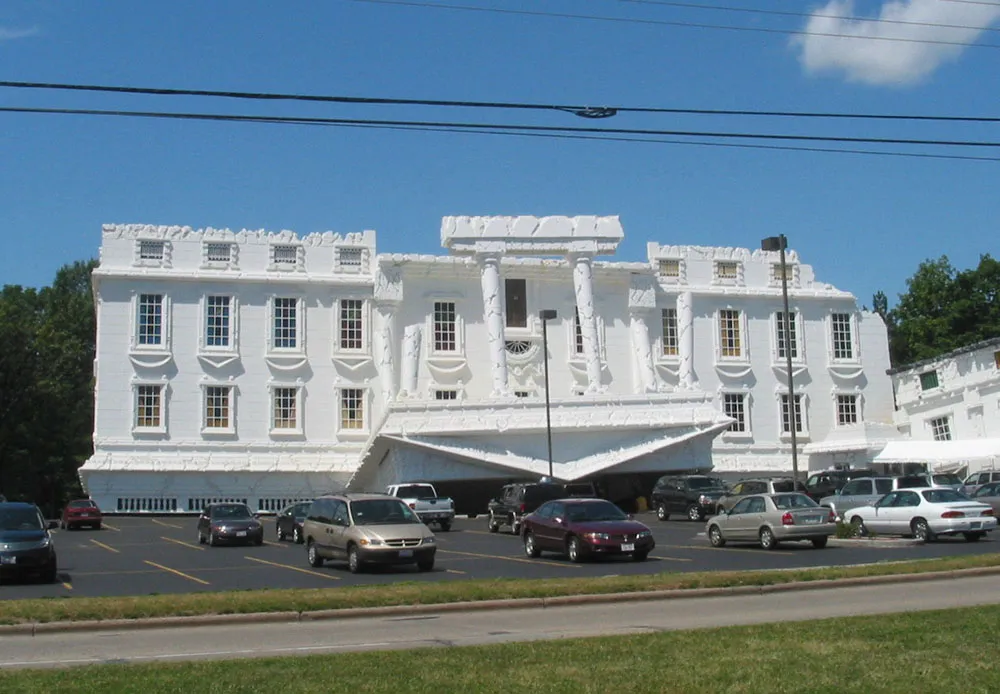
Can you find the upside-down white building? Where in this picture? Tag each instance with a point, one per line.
(269, 367)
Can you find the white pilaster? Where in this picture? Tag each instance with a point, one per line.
(386, 357)
(642, 351)
(494, 321)
(411, 359)
(685, 339)
(583, 282)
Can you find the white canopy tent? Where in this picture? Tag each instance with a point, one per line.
(944, 456)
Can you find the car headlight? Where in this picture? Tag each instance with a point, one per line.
(371, 541)
(597, 536)
(645, 533)
(44, 542)
(430, 540)
(704, 500)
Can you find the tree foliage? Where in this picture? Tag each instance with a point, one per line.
(943, 309)
(46, 387)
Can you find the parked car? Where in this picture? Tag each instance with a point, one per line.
(696, 496)
(367, 529)
(947, 479)
(515, 501)
(581, 490)
(859, 492)
(977, 479)
(924, 513)
(829, 482)
(26, 546)
(762, 485)
(423, 500)
(989, 494)
(769, 519)
(585, 528)
(81, 512)
(229, 522)
(289, 521)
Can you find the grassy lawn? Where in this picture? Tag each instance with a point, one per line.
(410, 593)
(931, 652)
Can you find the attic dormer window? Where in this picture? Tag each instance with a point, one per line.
(151, 250)
(285, 255)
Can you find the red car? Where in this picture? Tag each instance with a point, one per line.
(81, 512)
(582, 528)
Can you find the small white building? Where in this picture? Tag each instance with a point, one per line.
(271, 367)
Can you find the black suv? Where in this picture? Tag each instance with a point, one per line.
(696, 496)
(829, 482)
(515, 501)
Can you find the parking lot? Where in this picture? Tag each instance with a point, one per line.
(144, 555)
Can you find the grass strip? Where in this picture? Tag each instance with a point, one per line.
(435, 593)
(910, 653)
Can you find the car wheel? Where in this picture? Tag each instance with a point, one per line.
(573, 550)
(353, 559)
(858, 524)
(445, 526)
(921, 530)
(819, 542)
(661, 512)
(51, 574)
(212, 539)
(972, 537)
(767, 539)
(201, 538)
(259, 540)
(62, 525)
(529, 546)
(315, 560)
(639, 556)
(715, 536)
(297, 536)
(281, 533)
(694, 513)
(515, 527)
(426, 564)
(493, 525)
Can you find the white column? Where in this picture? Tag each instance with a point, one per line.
(583, 282)
(685, 339)
(642, 351)
(411, 359)
(493, 319)
(386, 349)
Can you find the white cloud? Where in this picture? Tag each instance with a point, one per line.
(896, 62)
(12, 34)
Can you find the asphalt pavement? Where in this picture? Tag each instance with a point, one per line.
(143, 555)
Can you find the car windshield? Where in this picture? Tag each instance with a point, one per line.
(543, 492)
(943, 496)
(594, 511)
(788, 501)
(20, 519)
(83, 503)
(783, 485)
(416, 491)
(234, 512)
(382, 512)
(947, 480)
(705, 483)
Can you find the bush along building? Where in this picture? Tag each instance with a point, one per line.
(269, 367)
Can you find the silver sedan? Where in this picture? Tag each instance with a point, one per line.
(768, 519)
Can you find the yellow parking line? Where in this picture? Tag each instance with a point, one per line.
(178, 573)
(181, 542)
(517, 559)
(454, 571)
(110, 527)
(167, 525)
(653, 556)
(104, 546)
(275, 544)
(724, 549)
(294, 568)
(67, 586)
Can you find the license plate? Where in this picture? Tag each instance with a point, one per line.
(813, 519)
(241, 533)
(8, 560)
(628, 547)
(84, 515)
(406, 552)
(975, 524)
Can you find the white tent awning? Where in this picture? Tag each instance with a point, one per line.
(940, 453)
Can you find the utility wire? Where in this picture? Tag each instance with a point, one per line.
(673, 23)
(502, 127)
(575, 109)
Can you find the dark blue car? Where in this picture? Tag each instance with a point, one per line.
(26, 547)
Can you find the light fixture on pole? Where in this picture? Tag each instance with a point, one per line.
(779, 243)
(546, 315)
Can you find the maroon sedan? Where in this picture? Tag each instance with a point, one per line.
(582, 528)
(81, 512)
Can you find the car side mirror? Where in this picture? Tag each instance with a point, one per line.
(256, 515)
(559, 521)
(630, 516)
(53, 524)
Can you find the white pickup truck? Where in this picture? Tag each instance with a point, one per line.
(422, 498)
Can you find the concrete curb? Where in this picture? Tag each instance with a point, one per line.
(39, 628)
(874, 543)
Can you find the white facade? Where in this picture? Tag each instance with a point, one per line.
(270, 367)
(954, 397)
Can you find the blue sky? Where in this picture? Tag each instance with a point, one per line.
(864, 222)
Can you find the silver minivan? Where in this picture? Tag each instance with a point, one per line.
(859, 492)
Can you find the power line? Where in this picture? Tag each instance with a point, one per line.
(299, 120)
(785, 13)
(567, 108)
(676, 23)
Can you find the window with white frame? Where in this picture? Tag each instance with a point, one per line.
(284, 255)
(445, 327)
(577, 332)
(727, 270)
(522, 393)
(285, 323)
(843, 342)
(352, 408)
(847, 410)
(730, 343)
(218, 252)
(218, 322)
(940, 428)
(149, 407)
(151, 250)
(446, 394)
(786, 414)
(734, 405)
(218, 408)
(792, 343)
(669, 267)
(149, 320)
(352, 324)
(350, 257)
(776, 272)
(669, 326)
(285, 409)
(929, 380)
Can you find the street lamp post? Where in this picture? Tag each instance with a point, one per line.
(779, 243)
(546, 315)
